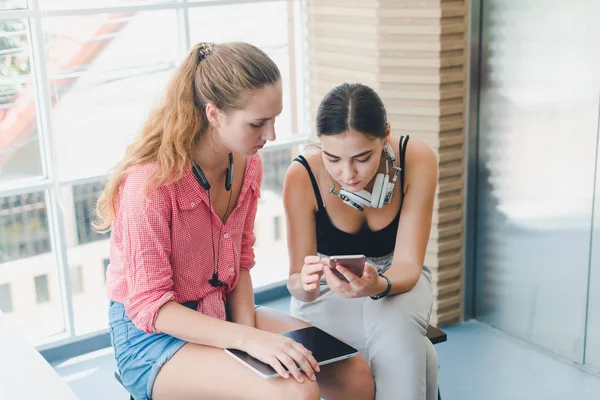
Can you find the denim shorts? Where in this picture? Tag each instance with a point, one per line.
(139, 355)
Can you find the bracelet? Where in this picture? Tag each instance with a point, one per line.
(386, 291)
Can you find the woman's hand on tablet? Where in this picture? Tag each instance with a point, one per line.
(367, 285)
(311, 273)
(279, 351)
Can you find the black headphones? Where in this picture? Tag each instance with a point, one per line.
(201, 178)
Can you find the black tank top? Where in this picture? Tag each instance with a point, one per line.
(333, 241)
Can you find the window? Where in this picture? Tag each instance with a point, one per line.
(24, 226)
(77, 279)
(42, 292)
(271, 250)
(6, 305)
(85, 197)
(106, 75)
(67, 119)
(25, 252)
(20, 155)
(278, 159)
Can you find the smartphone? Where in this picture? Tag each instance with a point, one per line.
(355, 263)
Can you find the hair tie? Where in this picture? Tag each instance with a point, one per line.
(204, 50)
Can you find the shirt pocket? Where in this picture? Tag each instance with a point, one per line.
(187, 219)
(191, 251)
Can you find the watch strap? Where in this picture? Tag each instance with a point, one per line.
(386, 291)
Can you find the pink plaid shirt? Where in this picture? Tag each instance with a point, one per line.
(161, 248)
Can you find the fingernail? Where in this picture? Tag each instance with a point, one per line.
(301, 380)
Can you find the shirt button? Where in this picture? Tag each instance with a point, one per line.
(127, 301)
(192, 204)
(226, 235)
(230, 269)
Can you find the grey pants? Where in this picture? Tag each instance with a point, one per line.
(390, 333)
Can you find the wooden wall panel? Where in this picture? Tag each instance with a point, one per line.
(414, 54)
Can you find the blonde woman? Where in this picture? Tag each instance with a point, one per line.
(181, 209)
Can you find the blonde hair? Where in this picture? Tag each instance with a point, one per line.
(219, 74)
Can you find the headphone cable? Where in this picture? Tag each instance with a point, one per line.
(216, 261)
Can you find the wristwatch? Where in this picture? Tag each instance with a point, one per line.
(386, 291)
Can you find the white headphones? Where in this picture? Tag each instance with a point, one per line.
(382, 187)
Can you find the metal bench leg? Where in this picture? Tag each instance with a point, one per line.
(439, 395)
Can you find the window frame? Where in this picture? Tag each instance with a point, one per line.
(49, 182)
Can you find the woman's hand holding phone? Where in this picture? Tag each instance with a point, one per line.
(354, 286)
(311, 273)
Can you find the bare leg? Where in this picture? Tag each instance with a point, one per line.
(204, 372)
(200, 372)
(347, 379)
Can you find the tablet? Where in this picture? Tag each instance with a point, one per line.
(326, 349)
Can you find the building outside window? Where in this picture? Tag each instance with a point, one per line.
(6, 305)
(77, 279)
(42, 291)
(24, 226)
